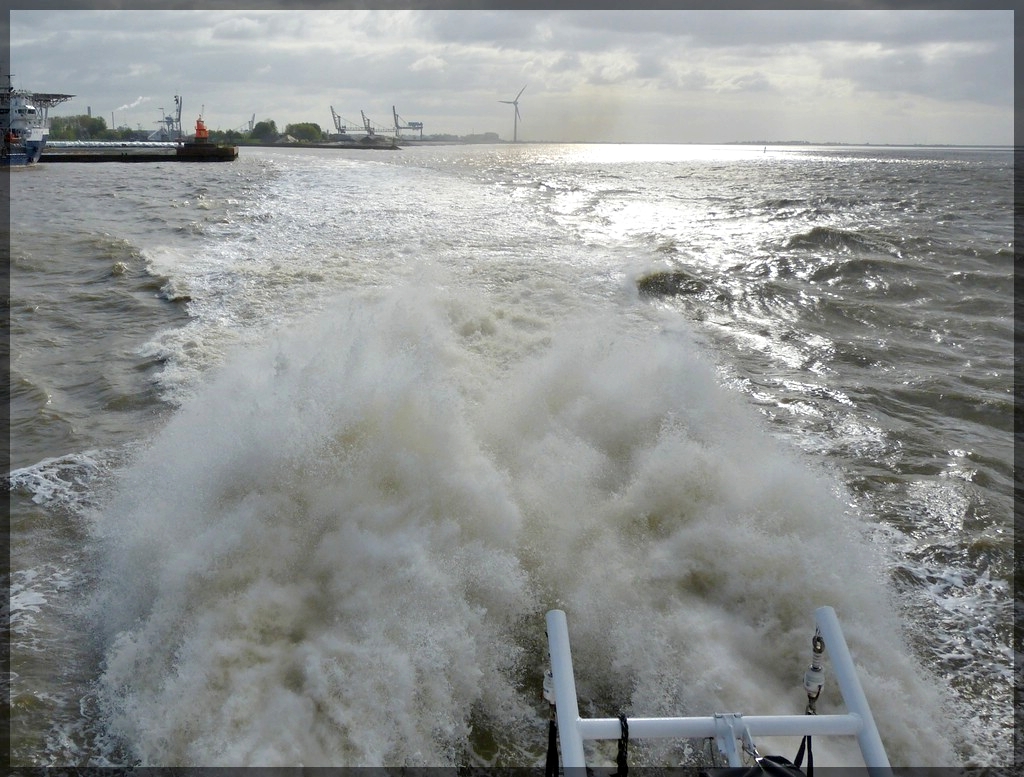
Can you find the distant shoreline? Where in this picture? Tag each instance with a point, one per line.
(395, 145)
(770, 143)
(765, 143)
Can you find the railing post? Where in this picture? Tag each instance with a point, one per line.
(853, 694)
(567, 709)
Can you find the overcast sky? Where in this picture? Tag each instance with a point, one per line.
(853, 76)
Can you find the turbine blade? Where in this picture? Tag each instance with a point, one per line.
(521, 92)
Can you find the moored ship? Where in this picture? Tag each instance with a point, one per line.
(24, 119)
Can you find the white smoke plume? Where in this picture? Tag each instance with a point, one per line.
(137, 102)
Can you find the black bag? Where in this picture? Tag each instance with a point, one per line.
(768, 766)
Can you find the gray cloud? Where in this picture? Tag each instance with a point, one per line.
(502, 29)
(974, 71)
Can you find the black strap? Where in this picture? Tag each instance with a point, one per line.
(621, 761)
(810, 756)
(551, 765)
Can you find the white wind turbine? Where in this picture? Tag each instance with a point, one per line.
(515, 121)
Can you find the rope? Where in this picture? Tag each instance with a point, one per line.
(814, 681)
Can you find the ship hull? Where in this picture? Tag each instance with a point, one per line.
(15, 159)
(35, 142)
(23, 154)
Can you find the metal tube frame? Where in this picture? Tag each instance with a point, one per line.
(858, 722)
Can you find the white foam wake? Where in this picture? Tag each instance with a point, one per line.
(340, 550)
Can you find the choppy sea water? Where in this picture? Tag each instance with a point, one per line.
(304, 446)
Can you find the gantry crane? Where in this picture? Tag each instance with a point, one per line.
(412, 125)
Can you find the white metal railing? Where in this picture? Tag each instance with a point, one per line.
(725, 728)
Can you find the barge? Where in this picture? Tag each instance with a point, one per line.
(196, 149)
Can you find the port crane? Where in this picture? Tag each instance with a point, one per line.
(249, 126)
(344, 126)
(412, 125)
(366, 124)
(170, 124)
